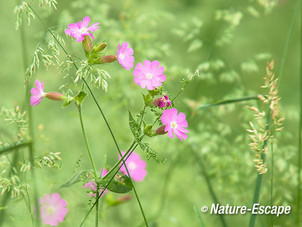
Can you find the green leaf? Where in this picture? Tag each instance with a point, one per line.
(119, 184)
(75, 179)
(80, 97)
(135, 129)
(68, 99)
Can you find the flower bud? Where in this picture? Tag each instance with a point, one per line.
(124, 198)
(161, 130)
(156, 101)
(87, 45)
(54, 96)
(108, 59)
(100, 47)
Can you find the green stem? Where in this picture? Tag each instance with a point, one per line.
(288, 39)
(209, 184)
(259, 176)
(272, 182)
(92, 163)
(13, 147)
(300, 136)
(86, 142)
(228, 101)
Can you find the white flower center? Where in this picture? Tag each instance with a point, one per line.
(121, 56)
(132, 165)
(50, 210)
(173, 124)
(149, 76)
(83, 30)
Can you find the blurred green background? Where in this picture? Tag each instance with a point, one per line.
(229, 42)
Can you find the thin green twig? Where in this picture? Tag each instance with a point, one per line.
(227, 101)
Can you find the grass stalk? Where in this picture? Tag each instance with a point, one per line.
(259, 176)
(14, 147)
(298, 221)
(209, 184)
(228, 101)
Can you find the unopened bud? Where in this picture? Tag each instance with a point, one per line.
(161, 130)
(87, 45)
(100, 47)
(124, 198)
(54, 96)
(108, 59)
(156, 101)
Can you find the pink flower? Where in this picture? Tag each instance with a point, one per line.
(37, 93)
(53, 209)
(124, 55)
(136, 167)
(149, 75)
(81, 29)
(175, 124)
(91, 185)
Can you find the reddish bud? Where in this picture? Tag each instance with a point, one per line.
(87, 45)
(54, 96)
(161, 130)
(124, 198)
(108, 59)
(156, 101)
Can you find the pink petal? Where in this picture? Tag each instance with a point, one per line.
(73, 26)
(154, 66)
(147, 66)
(180, 135)
(170, 133)
(86, 21)
(93, 27)
(35, 100)
(79, 25)
(181, 117)
(80, 39)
